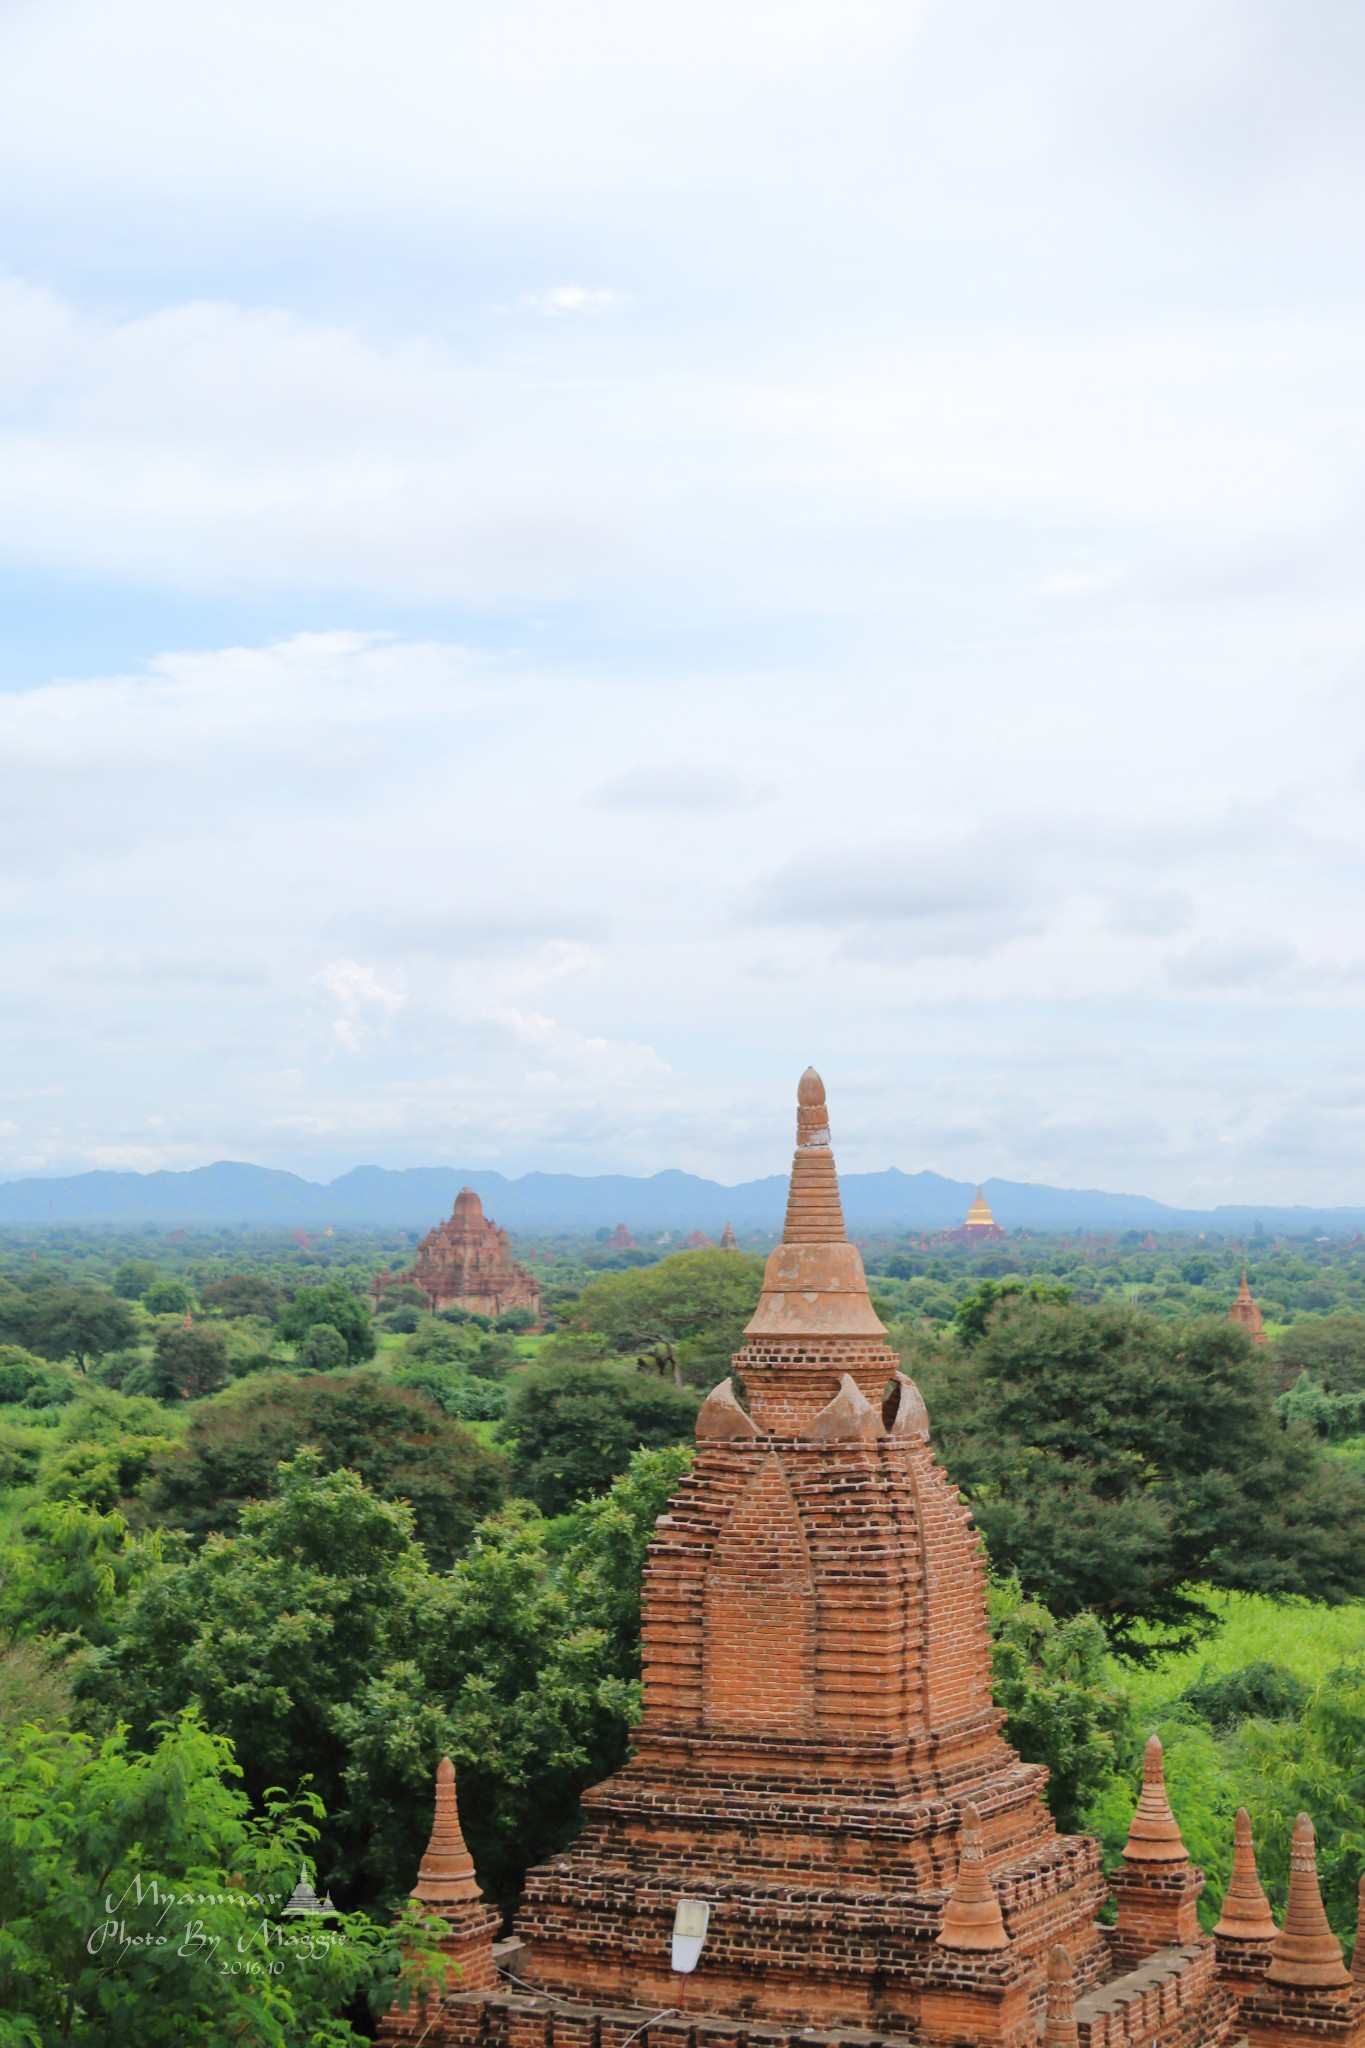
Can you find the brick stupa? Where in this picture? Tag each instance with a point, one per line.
(466, 1262)
(1245, 1314)
(819, 1759)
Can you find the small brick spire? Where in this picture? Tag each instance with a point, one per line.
(1154, 1836)
(1358, 1958)
(445, 1875)
(1306, 1952)
(972, 1918)
(1246, 1914)
(814, 1212)
(1060, 2030)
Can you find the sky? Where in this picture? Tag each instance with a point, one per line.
(558, 563)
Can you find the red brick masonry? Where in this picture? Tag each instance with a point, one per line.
(820, 1758)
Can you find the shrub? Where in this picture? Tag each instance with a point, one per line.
(1268, 1691)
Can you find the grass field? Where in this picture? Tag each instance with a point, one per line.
(1309, 1639)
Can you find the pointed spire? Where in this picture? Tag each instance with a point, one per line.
(1358, 1958)
(1244, 1291)
(446, 1873)
(1246, 1914)
(1154, 1836)
(188, 1323)
(1060, 2030)
(1306, 1952)
(971, 1918)
(814, 1212)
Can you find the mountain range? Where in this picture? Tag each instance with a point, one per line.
(235, 1196)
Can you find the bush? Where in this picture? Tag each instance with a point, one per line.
(20, 1458)
(114, 1370)
(31, 1382)
(453, 1390)
(1266, 1691)
(1062, 1708)
(322, 1350)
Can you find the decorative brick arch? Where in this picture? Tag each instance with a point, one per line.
(758, 1616)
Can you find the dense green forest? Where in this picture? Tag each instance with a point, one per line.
(264, 1558)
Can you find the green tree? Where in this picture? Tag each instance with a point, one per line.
(334, 1304)
(94, 1838)
(107, 1473)
(399, 1442)
(1061, 1705)
(573, 1428)
(134, 1277)
(1331, 1348)
(189, 1362)
(167, 1298)
(59, 1320)
(1115, 1463)
(242, 1294)
(22, 1374)
(1311, 1761)
(323, 1349)
(971, 1317)
(275, 1634)
(697, 1301)
(72, 1571)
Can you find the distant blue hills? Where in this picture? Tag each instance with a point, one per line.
(230, 1195)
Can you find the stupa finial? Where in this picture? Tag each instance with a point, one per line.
(1154, 1836)
(972, 1917)
(1305, 1951)
(814, 1212)
(1246, 1914)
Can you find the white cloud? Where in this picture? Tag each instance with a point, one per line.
(923, 636)
(559, 299)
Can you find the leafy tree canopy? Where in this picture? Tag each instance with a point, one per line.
(60, 1320)
(97, 1836)
(242, 1294)
(697, 1301)
(167, 1298)
(189, 1363)
(398, 1441)
(1114, 1463)
(134, 1277)
(1062, 1707)
(573, 1427)
(333, 1303)
(1331, 1348)
(323, 1349)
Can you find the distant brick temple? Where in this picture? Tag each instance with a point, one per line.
(1245, 1314)
(466, 1262)
(820, 1765)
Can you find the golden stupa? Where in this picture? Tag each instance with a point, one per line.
(979, 1216)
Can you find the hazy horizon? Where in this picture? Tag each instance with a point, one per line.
(559, 565)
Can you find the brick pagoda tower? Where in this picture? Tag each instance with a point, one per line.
(1245, 1314)
(820, 1761)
